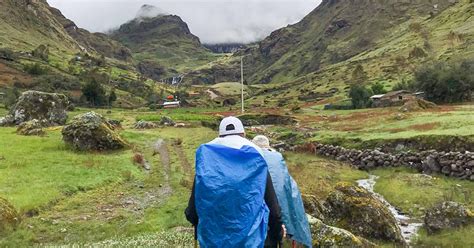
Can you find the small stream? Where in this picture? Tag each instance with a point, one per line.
(408, 226)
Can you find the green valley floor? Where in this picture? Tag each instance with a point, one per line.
(69, 198)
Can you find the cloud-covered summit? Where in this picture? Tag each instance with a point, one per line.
(213, 21)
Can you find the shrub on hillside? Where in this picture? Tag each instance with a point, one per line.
(94, 93)
(405, 85)
(378, 88)
(359, 75)
(112, 97)
(360, 96)
(41, 52)
(7, 54)
(446, 82)
(11, 97)
(35, 69)
(417, 52)
(55, 83)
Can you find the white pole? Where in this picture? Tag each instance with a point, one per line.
(242, 81)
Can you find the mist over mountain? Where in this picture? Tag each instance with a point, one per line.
(150, 11)
(212, 21)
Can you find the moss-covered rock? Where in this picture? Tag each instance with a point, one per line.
(49, 108)
(357, 210)
(328, 236)
(447, 215)
(314, 206)
(145, 125)
(29, 128)
(9, 217)
(91, 131)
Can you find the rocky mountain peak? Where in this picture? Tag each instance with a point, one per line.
(150, 11)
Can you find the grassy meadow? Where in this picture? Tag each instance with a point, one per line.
(105, 199)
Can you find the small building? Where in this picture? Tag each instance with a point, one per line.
(394, 98)
(169, 105)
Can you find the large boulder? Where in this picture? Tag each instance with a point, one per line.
(9, 217)
(91, 131)
(49, 108)
(328, 236)
(447, 215)
(33, 127)
(359, 211)
(145, 125)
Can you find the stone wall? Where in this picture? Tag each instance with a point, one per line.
(453, 164)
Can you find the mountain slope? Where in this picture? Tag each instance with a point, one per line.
(26, 24)
(97, 42)
(339, 31)
(164, 40)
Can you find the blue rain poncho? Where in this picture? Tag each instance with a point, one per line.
(289, 198)
(229, 196)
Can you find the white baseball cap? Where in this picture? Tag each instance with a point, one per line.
(261, 141)
(231, 125)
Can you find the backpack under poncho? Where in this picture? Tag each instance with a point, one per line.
(229, 196)
(289, 198)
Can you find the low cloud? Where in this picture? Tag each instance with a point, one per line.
(213, 21)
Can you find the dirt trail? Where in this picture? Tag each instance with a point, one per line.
(161, 148)
(187, 168)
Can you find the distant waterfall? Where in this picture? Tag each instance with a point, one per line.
(176, 80)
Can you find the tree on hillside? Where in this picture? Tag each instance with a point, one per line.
(360, 96)
(94, 93)
(447, 82)
(359, 75)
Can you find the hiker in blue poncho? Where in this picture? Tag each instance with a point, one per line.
(233, 203)
(288, 194)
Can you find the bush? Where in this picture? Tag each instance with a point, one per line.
(378, 88)
(7, 54)
(405, 85)
(447, 82)
(360, 96)
(417, 52)
(11, 97)
(55, 83)
(94, 93)
(35, 69)
(359, 75)
(41, 52)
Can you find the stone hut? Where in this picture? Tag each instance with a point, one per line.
(394, 98)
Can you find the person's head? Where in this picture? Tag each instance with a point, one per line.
(231, 126)
(262, 141)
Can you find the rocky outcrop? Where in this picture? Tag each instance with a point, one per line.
(447, 215)
(30, 128)
(328, 236)
(167, 121)
(454, 164)
(48, 108)
(9, 217)
(91, 131)
(357, 210)
(145, 125)
(314, 206)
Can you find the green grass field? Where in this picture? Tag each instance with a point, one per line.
(72, 198)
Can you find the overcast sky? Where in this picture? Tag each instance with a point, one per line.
(213, 21)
